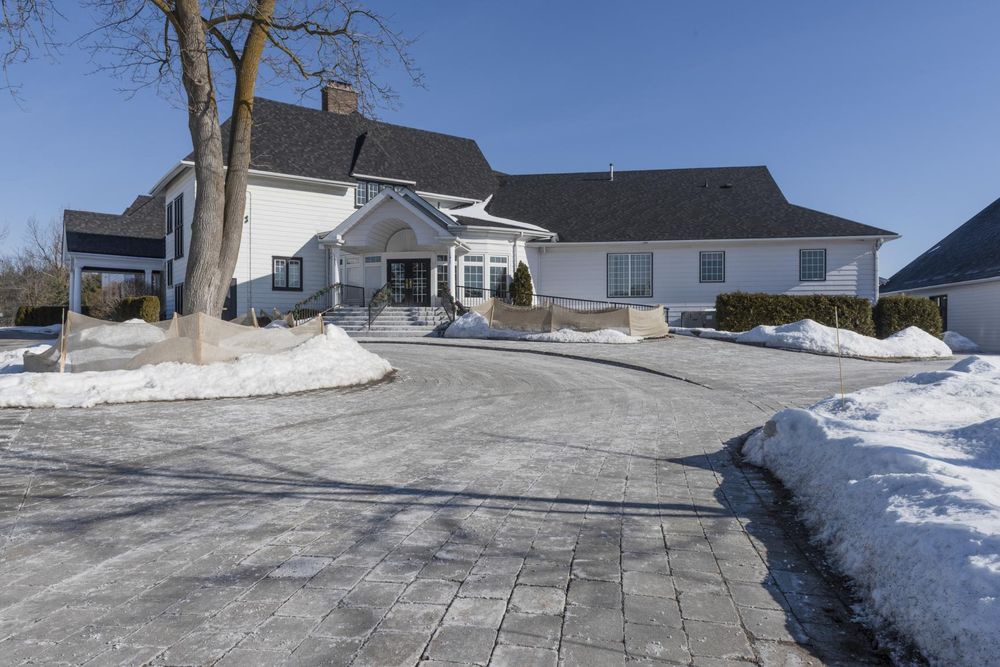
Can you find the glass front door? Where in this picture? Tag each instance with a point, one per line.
(409, 282)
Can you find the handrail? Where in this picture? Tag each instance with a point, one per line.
(481, 294)
(379, 300)
(349, 295)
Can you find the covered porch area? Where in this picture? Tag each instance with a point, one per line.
(399, 242)
(104, 272)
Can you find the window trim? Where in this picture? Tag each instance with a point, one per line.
(288, 261)
(701, 275)
(178, 204)
(812, 280)
(607, 276)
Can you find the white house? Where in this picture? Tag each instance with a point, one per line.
(962, 274)
(337, 198)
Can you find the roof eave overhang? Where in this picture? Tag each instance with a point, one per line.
(175, 171)
(957, 283)
(868, 237)
(511, 231)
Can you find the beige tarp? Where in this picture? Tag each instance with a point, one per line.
(633, 321)
(97, 345)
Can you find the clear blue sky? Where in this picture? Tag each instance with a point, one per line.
(884, 112)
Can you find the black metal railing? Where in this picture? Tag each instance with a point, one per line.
(473, 296)
(380, 299)
(316, 303)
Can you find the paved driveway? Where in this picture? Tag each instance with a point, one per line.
(485, 506)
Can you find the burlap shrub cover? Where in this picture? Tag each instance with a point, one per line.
(520, 318)
(97, 345)
(544, 319)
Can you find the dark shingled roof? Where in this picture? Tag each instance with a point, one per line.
(136, 232)
(664, 204)
(971, 252)
(290, 139)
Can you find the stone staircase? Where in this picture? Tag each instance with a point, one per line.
(393, 321)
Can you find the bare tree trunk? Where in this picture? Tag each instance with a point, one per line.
(202, 274)
(240, 126)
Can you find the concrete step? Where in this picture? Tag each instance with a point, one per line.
(392, 321)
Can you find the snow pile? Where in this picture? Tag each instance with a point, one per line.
(903, 482)
(50, 330)
(702, 332)
(814, 337)
(329, 360)
(959, 344)
(475, 325)
(12, 361)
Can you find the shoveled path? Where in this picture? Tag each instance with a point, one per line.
(485, 506)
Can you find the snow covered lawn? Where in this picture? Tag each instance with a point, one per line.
(811, 336)
(903, 483)
(325, 361)
(475, 325)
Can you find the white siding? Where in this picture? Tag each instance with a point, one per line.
(283, 220)
(183, 185)
(758, 266)
(973, 311)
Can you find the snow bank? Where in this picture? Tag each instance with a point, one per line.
(903, 483)
(330, 360)
(475, 325)
(51, 330)
(959, 343)
(12, 361)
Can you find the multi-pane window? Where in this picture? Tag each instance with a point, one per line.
(630, 274)
(498, 275)
(473, 275)
(178, 221)
(812, 264)
(373, 259)
(368, 190)
(442, 274)
(712, 266)
(170, 217)
(170, 273)
(286, 273)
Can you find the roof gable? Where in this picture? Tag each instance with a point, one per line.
(971, 252)
(295, 140)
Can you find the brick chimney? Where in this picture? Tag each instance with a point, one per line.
(340, 97)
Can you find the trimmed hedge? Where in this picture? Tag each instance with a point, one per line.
(742, 311)
(38, 316)
(142, 307)
(894, 313)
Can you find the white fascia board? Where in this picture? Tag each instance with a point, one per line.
(959, 283)
(116, 261)
(184, 164)
(458, 200)
(874, 237)
(518, 233)
(170, 175)
(382, 179)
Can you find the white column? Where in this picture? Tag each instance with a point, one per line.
(335, 273)
(76, 287)
(451, 271)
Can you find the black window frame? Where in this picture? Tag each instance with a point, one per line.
(170, 217)
(179, 298)
(701, 265)
(825, 265)
(288, 260)
(941, 301)
(170, 273)
(178, 205)
(607, 276)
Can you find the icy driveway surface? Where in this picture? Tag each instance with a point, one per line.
(484, 506)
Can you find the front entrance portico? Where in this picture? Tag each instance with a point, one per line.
(398, 241)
